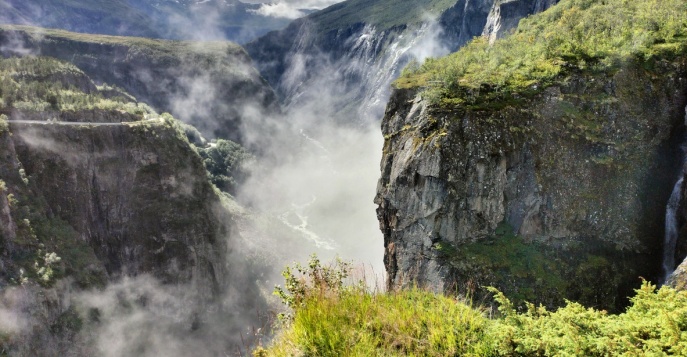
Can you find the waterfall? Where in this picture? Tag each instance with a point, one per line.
(671, 225)
(671, 231)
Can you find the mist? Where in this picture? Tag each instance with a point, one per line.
(321, 166)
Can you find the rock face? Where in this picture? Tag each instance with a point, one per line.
(212, 86)
(558, 195)
(86, 208)
(678, 279)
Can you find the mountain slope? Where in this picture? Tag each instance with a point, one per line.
(191, 20)
(105, 17)
(209, 85)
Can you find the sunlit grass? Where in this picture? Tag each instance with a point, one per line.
(575, 35)
(331, 319)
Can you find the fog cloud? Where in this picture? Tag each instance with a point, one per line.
(291, 9)
(140, 317)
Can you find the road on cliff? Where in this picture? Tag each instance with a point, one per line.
(43, 122)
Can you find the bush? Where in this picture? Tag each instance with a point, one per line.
(4, 126)
(654, 324)
(226, 163)
(332, 319)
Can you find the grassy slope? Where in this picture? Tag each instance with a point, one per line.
(575, 35)
(382, 13)
(152, 47)
(43, 85)
(128, 62)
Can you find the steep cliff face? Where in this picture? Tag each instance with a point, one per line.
(557, 195)
(84, 207)
(504, 15)
(211, 86)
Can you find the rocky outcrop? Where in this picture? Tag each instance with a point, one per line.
(212, 87)
(678, 279)
(558, 195)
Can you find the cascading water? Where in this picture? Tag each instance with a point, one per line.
(671, 230)
(671, 225)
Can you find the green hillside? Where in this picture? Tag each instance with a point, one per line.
(576, 35)
(383, 14)
(157, 72)
(160, 50)
(52, 89)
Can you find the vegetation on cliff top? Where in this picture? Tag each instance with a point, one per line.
(332, 319)
(43, 84)
(575, 35)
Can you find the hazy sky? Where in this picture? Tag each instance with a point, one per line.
(289, 8)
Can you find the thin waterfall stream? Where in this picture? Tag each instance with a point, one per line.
(671, 230)
(671, 224)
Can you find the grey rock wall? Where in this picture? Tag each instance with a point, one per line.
(468, 196)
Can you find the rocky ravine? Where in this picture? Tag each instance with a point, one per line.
(561, 195)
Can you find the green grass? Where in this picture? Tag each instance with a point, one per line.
(154, 48)
(43, 84)
(331, 319)
(355, 323)
(575, 35)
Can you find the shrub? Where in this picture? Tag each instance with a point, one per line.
(4, 126)
(332, 319)
(226, 163)
(655, 324)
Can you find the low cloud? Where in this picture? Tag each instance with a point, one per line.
(279, 10)
(138, 316)
(291, 9)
